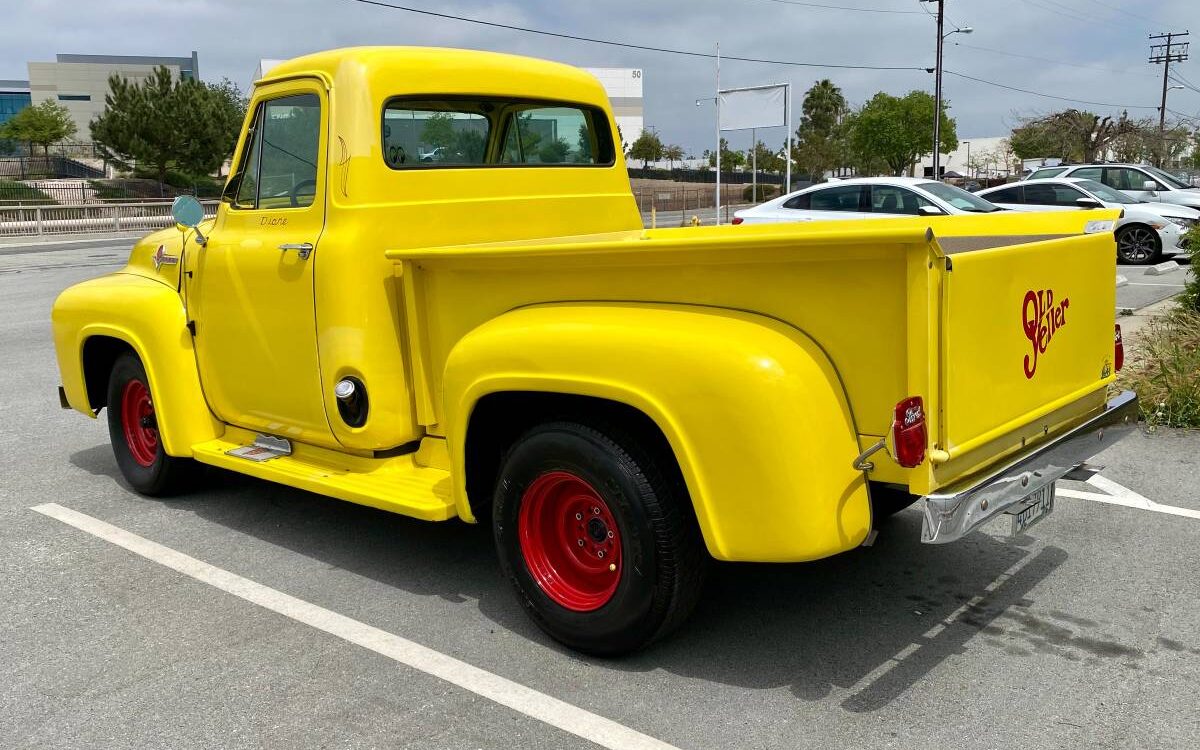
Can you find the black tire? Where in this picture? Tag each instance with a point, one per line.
(1138, 245)
(662, 554)
(155, 473)
(888, 501)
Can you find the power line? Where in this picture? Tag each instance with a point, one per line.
(1067, 12)
(1055, 62)
(1123, 11)
(646, 48)
(1047, 96)
(709, 55)
(843, 7)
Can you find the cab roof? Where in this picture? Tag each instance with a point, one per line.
(476, 71)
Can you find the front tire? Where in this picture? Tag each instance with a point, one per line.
(133, 431)
(1138, 245)
(597, 537)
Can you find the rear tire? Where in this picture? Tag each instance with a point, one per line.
(597, 537)
(1138, 245)
(133, 431)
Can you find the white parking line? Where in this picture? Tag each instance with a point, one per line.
(1121, 495)
(552, 711)
(1147, 283)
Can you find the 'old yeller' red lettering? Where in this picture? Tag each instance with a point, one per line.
(1041, 318)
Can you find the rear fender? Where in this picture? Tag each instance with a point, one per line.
(752, 408)
(147, 315)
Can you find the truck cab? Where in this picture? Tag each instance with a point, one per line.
(427, 289)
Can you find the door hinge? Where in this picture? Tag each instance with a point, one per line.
(191, 326)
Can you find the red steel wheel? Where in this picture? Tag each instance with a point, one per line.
(137, 418)
(570, 541)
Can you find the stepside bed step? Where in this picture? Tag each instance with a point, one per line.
(397, 484)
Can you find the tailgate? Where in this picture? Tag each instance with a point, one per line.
(1025, 332)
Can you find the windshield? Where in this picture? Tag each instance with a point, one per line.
(1166, 177)
(959, 198)
(1105, 193)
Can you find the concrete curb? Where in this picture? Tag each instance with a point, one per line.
(1165, 267)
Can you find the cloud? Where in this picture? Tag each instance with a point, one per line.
(232, 35)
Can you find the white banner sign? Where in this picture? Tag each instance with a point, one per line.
(759, 107)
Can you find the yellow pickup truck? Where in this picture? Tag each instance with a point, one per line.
(427, 289)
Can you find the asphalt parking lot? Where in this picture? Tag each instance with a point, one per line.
(1083, 633)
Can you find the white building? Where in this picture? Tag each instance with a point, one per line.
(80, 82)
(624, 89)
(988, 155)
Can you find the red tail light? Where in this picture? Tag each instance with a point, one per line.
(908, 432)
(1118, 350)
(737, 220)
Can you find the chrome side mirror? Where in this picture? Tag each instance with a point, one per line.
(1150, 186)
(1088, 203)
(930, 211)
(188, 213)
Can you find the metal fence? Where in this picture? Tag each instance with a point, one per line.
(44, 220)
(42, 192)
(46, 167)
(709, 176)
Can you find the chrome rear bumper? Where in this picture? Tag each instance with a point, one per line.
(956, 510)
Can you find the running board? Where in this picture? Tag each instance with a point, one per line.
(396, 484)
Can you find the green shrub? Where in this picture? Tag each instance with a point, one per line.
(765, 193)
(11, 190)
(1190, 298)
(1164, 370)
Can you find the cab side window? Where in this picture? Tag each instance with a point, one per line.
(281, 155)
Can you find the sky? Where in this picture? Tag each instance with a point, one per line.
(1104, 41)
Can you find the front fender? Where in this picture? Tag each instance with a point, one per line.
(753, 409)
(148, 316)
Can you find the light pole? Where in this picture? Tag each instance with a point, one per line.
(937, 82)
(969, 172)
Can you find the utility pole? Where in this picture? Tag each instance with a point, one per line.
(1166, 53)
(937, 92)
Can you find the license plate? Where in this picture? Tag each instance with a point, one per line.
(1035, 507)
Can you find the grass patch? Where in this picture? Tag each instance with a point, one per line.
(19, 191)
(1165, 373)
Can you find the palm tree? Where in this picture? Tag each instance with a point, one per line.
(673, 154)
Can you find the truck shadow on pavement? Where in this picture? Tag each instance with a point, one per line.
(863, 627)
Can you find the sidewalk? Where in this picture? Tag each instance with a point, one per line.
(22, 242)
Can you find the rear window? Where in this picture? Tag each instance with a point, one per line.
(479, 132)
(1042, 174)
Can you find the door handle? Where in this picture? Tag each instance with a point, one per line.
(303, 249)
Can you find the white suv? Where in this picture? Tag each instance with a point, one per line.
(1139, 180)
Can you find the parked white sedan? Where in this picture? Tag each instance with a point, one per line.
(1145, 233)
(867, 198)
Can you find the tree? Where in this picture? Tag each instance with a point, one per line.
(1072, 134)
(647, 147)
(820, 138)
(40, 124)
(438, 130)
(729, 159)
(899, 131)
(672, 154)
(766, 159)
(165, 123)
